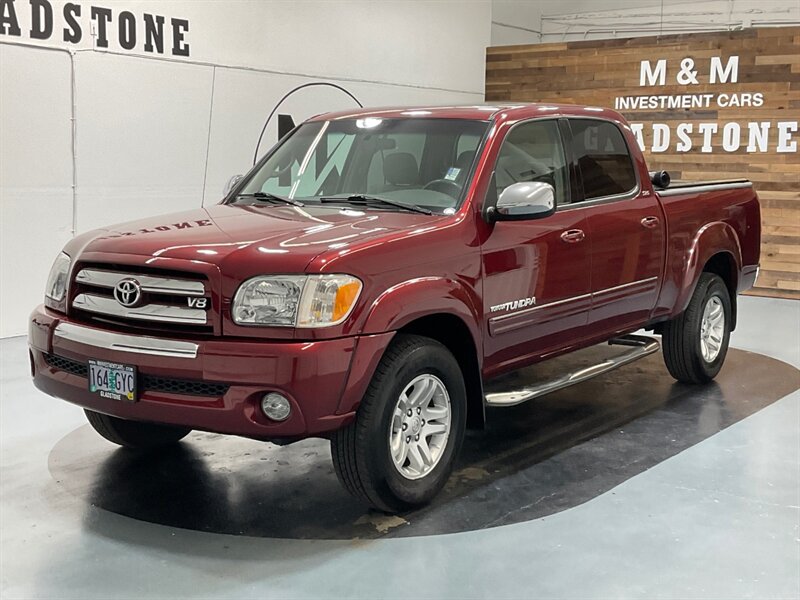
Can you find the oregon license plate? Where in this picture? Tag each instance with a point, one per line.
(112, 380)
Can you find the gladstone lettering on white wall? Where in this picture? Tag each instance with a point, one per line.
(152, 33)
(753, 136)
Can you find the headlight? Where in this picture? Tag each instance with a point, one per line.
(296, 300)
(57, 280)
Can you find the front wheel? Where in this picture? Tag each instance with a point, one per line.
(695, 342)
(400, 450)
(135, 434)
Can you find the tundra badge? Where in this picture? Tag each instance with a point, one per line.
(515, 304)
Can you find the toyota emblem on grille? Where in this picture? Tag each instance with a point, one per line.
(128, 292)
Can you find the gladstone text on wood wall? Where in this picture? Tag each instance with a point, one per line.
(703, 106)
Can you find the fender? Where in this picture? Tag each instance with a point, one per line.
(396, 307)
(402, 304)
(714, 238)
(420, 297)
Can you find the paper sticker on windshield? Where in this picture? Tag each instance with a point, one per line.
(452, 173)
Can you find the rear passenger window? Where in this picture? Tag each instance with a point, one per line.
(603, 158)
(532, 152)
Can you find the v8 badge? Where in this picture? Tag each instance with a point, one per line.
(201, 303)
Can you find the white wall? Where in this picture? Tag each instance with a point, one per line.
(35, 176)
(158, 134)
(532, 22)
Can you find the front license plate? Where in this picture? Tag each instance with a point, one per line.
(112, 380)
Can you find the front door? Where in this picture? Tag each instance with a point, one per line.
(535, 273)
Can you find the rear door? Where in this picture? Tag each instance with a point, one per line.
(625, 224)
(536, 273)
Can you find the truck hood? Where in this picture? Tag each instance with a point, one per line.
(281, 239)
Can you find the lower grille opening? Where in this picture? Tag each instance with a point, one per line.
(151, 383)
(186, 387)
(65, 364)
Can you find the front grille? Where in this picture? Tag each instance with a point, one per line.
(159, 299)
(151, 383)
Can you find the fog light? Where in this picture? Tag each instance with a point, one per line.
(275, 406)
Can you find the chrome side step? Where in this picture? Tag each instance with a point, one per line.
(640, 346)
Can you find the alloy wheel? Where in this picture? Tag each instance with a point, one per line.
(712, 329)
(420, 426)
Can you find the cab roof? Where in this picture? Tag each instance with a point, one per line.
(480, 112)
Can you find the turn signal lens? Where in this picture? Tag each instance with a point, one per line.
(327, 300)
(345, 298)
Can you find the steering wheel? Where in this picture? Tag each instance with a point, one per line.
(445, 186)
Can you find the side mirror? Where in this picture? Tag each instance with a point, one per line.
(231, 184)
(660, 179)
(524, 200)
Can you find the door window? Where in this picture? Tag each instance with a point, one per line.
(603, 158)
(533, 152)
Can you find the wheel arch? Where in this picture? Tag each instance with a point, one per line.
(450, 331)
(443, 309)
(724, 265)
(715, 249)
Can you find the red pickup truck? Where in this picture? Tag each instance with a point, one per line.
(377, 269)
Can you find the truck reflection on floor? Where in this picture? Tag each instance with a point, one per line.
(533, 460)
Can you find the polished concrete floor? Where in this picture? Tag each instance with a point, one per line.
(686, 495)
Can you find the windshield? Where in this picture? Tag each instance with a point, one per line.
(416, 162)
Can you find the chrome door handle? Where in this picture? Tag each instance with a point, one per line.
(650, 222)
(572, 236)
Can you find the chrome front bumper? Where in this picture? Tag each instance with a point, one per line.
(125, 343)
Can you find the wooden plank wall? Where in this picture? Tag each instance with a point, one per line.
(598, 72)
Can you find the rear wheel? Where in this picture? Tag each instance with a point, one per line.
(695, 342)
(399, 451)
(135, 434)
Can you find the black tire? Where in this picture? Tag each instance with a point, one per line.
(361, 454)
(681, 337)
(135, 434)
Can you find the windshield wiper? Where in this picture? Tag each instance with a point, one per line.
(363, 199)
(270, 196)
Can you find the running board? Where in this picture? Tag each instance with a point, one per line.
(640, 346)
